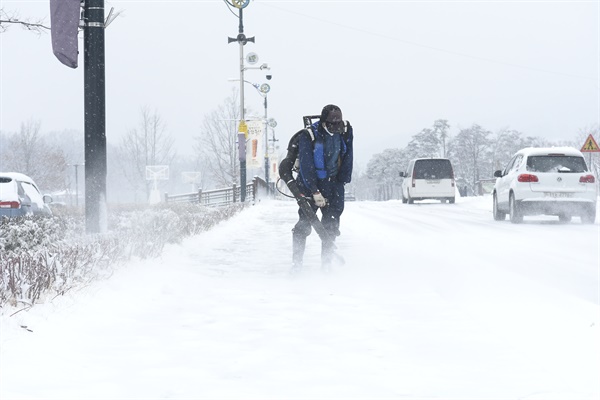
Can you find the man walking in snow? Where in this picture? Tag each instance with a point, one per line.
(325, 157)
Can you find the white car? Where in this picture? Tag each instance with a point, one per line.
(428, 178)
(545, 181)
(20, 196)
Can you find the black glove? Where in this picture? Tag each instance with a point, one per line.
(349, 131)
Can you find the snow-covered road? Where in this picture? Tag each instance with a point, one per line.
(436, 301)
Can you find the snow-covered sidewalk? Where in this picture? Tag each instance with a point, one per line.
(426, 307)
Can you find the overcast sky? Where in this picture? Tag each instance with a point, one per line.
(392, 66)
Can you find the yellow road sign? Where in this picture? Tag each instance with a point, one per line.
(243, 128)
(590, 145)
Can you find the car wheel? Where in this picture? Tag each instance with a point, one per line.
(410, 199)
(451, 200)
(515, 214)
(403, 198)
(564, 217)
(498, 215)
(589, 216)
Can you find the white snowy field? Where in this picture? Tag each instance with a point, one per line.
(435, 301)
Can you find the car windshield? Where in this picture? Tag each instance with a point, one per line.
(433, 169)
(556, 163)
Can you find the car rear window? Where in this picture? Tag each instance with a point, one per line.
(433, 169)
(556, 163)
(8, 189)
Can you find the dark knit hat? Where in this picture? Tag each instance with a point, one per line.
(328, 109)
(331, 118)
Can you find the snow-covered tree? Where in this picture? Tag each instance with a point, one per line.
(506, 143)
(471, 155)
(424, 144)
(384, 169)
(429, 142)
(440, 129)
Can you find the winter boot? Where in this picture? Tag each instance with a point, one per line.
(298, 246)
(326, 255)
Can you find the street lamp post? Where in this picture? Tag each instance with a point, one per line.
(272, 124)
(263, 90)
(77, 185)
(242, 40)
(266, 148)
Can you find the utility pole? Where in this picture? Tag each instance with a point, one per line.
(266, 146)
(95, 118)
(243, 130)
(272, 124)
(77, 183)
(65, 16)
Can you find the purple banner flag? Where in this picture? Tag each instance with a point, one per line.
(64, 19)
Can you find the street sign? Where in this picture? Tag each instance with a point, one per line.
(157, 172)
(264, 88)
(191, 176)
(590, 145)
(243, 129)
(252, 58)
(240, 3)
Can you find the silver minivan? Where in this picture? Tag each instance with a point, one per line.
(428, 178)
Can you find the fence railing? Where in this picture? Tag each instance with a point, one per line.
(255, 190)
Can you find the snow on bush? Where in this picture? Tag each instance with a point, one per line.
(42, 257)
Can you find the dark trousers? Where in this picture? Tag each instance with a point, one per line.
(330, 218)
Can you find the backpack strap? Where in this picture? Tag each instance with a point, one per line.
(296, 146)
(312, 135)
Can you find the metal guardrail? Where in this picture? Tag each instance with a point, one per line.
(222, 197)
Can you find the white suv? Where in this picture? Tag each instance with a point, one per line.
(550, 181)
(428, 178)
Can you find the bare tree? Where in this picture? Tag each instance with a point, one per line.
(26, 147)
(149, 144)
(216, 142)
(30, 153)
(8, 18)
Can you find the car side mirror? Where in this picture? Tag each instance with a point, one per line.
(402, 175)
(498, 174)
(47, 199)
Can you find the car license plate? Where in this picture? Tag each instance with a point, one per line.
(432, 182)
(558, 194)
